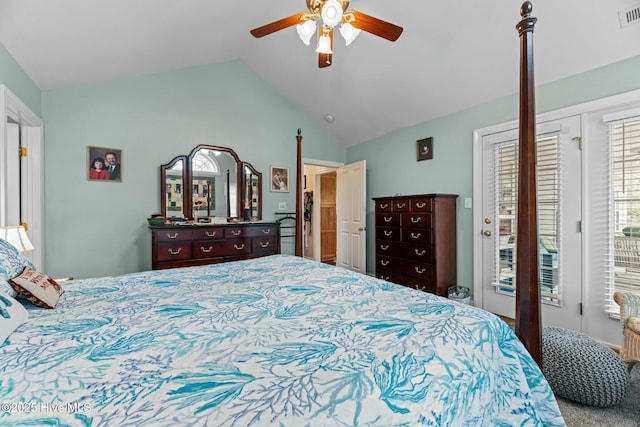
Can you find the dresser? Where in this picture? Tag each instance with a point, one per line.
(187, 245)
(416, 241)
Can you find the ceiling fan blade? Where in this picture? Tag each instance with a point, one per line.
(326, 59)
(375, 26)
(278, 25)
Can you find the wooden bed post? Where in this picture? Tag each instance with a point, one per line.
(299, 177)
(528, 322)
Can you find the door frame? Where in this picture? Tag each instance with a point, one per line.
(32, 135)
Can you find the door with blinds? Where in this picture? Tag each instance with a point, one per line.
(559, 181)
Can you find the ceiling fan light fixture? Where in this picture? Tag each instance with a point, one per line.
(324, 44)
(349, 32)
(306, 30)
(332, 13)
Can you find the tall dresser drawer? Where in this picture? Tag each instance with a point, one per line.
(420, 253)
(423, 237)
(402, 205)
(420, 270)
(388, 219)
(421, 205)
(383, 206)
(388, 248)
(174, 251)
(416, 220)
(392, 265)
(388, 233)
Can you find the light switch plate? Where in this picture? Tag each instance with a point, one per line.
(468, 203)
(282, 206)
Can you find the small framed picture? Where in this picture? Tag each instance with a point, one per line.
(279, 179)
(425, 148)
(104, 164)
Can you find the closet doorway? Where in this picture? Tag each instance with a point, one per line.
(334, 207)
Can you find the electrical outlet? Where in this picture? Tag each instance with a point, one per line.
(468, 203)
(282, 206)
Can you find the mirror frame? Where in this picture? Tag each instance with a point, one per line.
(187, 177)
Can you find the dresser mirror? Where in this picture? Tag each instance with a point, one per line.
(211, 182)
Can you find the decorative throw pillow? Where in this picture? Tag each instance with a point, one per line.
(12, 315)
(36, 287)
(11, 264)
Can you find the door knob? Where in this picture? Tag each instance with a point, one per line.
(360, 228)
(487, 233)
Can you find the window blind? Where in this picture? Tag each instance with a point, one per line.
(623, 248)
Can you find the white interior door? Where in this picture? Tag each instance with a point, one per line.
(558, 162)
(351, 212)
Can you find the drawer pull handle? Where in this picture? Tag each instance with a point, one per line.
(384, 247)
(264, 244)
(266, 230)
(416, 220)
(210, 233)
(420, 270)
(388, 219)
(383, 262)
(388, 233)
(383, 206)
(172, 236)
(236, 232)
(416, 235)
(420, 205)
(172, 252)
(384, 277)
(238, 248)
(206, 251)
(400, 206)
(420, 253)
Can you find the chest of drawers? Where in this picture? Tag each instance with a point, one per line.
(183, 246)
(416, 241)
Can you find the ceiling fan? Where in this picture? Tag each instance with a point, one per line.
(332, 13)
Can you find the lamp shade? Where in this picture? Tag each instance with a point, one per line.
(17, 236)
(331, 13)
(349, 32)
(324, 44)
(306, 30)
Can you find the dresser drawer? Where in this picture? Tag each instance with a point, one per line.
(219, 248)
(234, 232)
(207, 233)
(421, 205)
(420, 270)
(389, 248)
(383, 205)
(416, 220)
(261, 231)
(422, 237)
(389, 264)
(420, 253)
(388, 220)
(401, 205)
(174, 234)
(421, 285)
(388, 233)
(174, 251)
(264, 244)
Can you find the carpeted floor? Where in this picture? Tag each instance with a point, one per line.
(626, 414)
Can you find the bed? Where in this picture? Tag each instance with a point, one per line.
(279, 340)
(283, 341)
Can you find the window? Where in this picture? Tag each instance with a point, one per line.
(624, 202)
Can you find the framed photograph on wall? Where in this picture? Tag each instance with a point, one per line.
(279, 179)
(104, 164)
(425, 148)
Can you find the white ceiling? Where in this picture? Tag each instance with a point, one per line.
(453, 54)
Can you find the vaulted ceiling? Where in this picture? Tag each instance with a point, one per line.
(452, 55)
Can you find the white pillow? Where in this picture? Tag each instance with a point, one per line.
(38, 288)
(12, 315)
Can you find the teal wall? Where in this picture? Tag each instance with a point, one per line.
(99, 228)
(391, 160)
(13, 77)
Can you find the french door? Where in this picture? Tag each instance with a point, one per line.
(559, 183)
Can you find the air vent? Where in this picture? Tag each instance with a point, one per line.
(629, 16)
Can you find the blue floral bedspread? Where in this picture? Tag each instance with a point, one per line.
(274, 341)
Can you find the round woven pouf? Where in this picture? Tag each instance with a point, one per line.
(580, 369)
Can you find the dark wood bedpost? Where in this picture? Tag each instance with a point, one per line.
(299, 177)
(528, 322)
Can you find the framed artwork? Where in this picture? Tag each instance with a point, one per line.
(104, 164)
(425, 149)
(279, 179)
